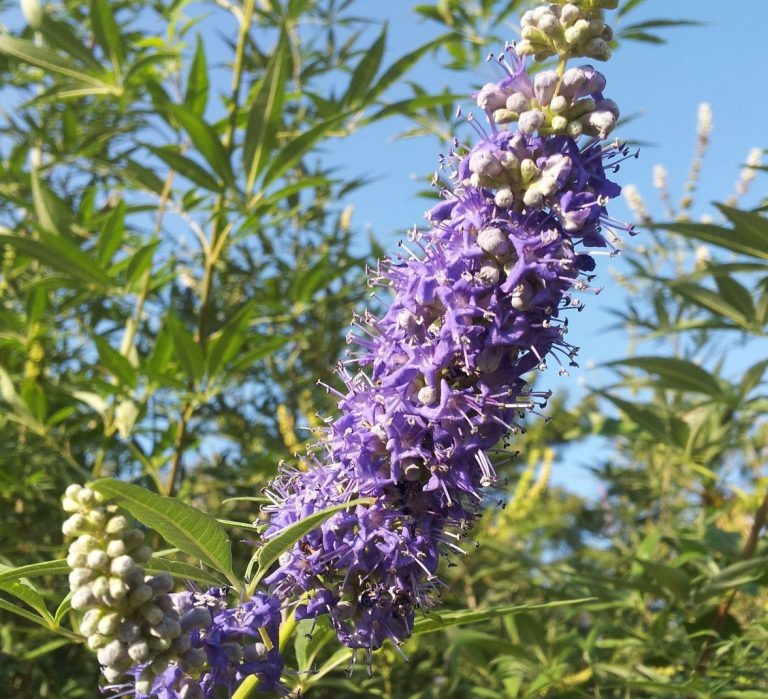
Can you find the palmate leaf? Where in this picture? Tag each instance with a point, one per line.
(187, 528)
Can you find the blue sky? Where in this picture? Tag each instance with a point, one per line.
(722, 63)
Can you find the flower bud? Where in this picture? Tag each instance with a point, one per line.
(139, 651)
(162, 582)
(493, 241)
(517, 102)
(117, 525)
(122, 566)
(531, 121)
(114, 653)
(98, 560)
(489, 275)
(427, 395)
(116, 548)
(196, 618)
(90, 623)
(83, 598)
(152, 613)
(504, 197)
(117, 589)
(100, 586)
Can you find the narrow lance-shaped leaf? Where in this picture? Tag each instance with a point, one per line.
(438, 622)
(365, 71)
(49, 61)
(677, 374)
(265, 113)
(106, 32)
(187, 528)
(196, 95)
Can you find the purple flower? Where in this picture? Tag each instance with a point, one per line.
(479, 300)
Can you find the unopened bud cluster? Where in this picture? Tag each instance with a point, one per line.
(567, 30)
(571, 104)
(129, 617)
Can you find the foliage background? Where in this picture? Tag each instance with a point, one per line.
(180, 264)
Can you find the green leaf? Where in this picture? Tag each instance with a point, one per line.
(437, 622)
(196, 94)
(111, 236)
(733, 576)
(228, 341)
(52, 215)
(205, 139)
(187, 528)
(114, 362)
(287, 537)
(401, 66)
(752, 377)
(299, 146)
(182, 571)
(20, 611)
(710, 301)
(63, 609)
(265, 113)
(106, 32)
(675, 374)
(644, 417)
(61, 254)
(670, 578)
(188, 352)
(140, 262)
(186, 167)
(737, 296)
(748, 237)
(27, 594)
(49, 61)
(365, 71)
(61, 36)
(57, 567)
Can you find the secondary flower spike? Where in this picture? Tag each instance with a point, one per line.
(480, 299)
(150, 641)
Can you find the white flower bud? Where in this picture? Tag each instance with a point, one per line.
(493, 241)
(488, 275)
(73, 491)
(83, 598)
(533, 198)
(485, 163)
(575, 129)
(79, 577)
(602, 122)
(521, 296)
(117, 589)
(109, 624)
(86, 497)
(117, 525)
(559, 124)
(100, 586)
(111, 674)
(122, 566)
(504, 116)
(70, 505)
(517, 102)
(558, 104)
(139, 652)
(77, 559)
(152, 613)
(116, 548)
(84, 544)
(169, 627)
(406, 320)
(504, 198)
(598, 48)
(531, 121)
(427, 395)
(569, 14)
(74, 525)
(90, 623)
(112, 654)
(544, 86)
(491, 97)
(97, 640)
(528, 170)
(98, 560)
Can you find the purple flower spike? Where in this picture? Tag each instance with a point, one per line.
(479, 301)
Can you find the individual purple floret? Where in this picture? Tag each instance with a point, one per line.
(479, 300)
